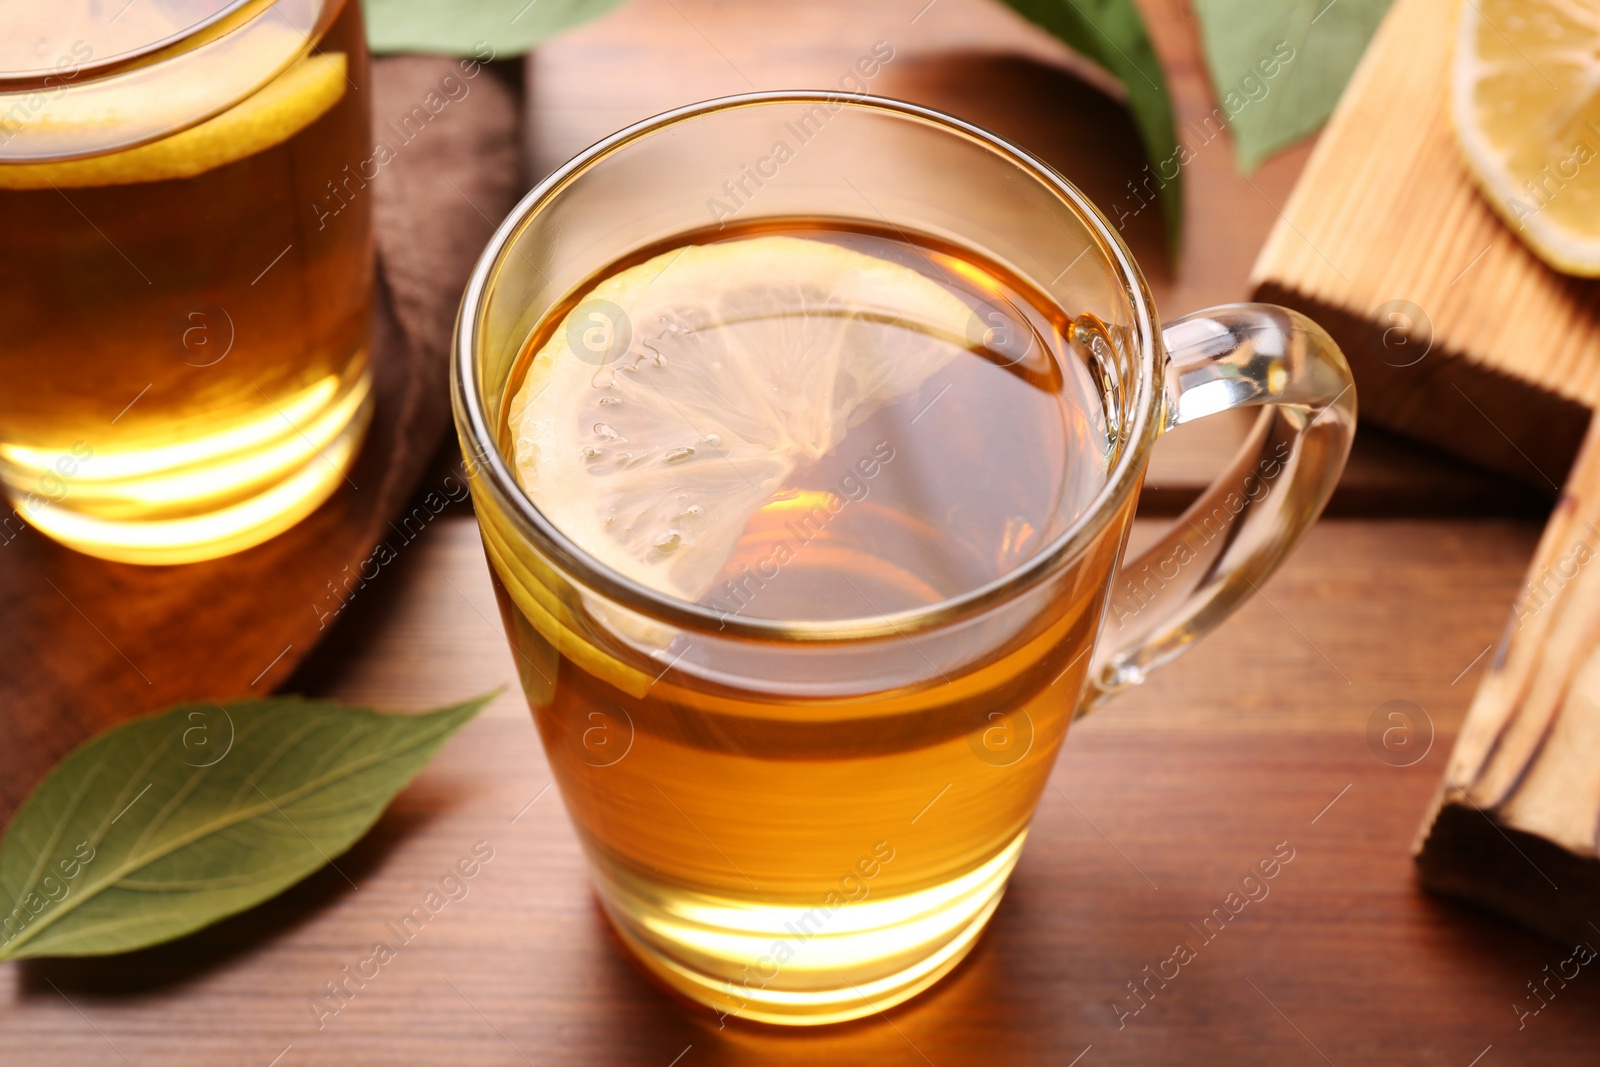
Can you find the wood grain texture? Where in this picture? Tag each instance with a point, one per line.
(1387, 219)
(1257, 737)
(1525, 773)
(88, 642)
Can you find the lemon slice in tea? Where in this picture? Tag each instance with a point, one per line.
(1525, 98)
(681, 393)
(280, 109)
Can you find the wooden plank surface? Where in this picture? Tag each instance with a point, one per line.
(1160, 803)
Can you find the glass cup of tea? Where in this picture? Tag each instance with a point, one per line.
(805, 433)
(186, 274)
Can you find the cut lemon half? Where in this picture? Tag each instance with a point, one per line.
(1525, 99)
(280, 109)
(680, 394)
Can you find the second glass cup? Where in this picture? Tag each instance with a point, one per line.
(186, 275)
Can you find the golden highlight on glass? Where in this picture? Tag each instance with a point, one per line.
(803, 776)
(185, 339)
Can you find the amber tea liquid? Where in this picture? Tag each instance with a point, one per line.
(784, 853)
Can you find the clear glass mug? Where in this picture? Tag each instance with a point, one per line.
(804, 821)
(186, 271)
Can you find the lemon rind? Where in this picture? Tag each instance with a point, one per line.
(289, 103)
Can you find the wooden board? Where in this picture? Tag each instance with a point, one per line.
(1386, 230)
(1260, 736)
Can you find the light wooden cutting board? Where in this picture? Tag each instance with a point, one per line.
(1458, 334)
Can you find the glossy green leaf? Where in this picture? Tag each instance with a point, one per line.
(165, 824)
(483, 28)
(1113, 35)
(1244, 39)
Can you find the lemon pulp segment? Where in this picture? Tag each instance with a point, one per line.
(1525, 101)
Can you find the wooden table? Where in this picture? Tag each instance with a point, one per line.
(1158, 806)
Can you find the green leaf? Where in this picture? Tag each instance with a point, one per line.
(1325, 39)
(1111, 33)
(483, 28)
(165, 824)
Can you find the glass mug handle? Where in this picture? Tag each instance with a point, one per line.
(1231, 540)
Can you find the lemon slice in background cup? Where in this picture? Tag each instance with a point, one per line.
(282, 108)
